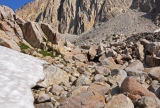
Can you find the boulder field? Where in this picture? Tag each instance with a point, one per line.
(118, 72)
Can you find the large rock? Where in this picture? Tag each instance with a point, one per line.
(100, 87)
(81, 69)
(77, 50)
(115, 80)
(80, 57)
(6, 12)
(51, 34)
(83, 80)
(136, 65)
(148, 102)
(73, 16)
(136, 69)
(92, 52)
(54, 75)
(134, 89)
(12, 29)
(33, 34)
(140, 51)
(155, 88)
(108, 61)
(8, 42)
(99, 78)
(56, 89)
(43, 98)
(110, 53)
(4, 43)
(120, 101)
(119, 72)
(94, 100)
(155, 73)
(78, 90)
(10, 32)
(102, 70)
(153, 60)
(153, 47)
(44, 105)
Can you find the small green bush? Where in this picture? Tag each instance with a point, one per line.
(23, 46)
(44, 39)
(45, 53)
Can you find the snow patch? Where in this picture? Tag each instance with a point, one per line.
(18, 74)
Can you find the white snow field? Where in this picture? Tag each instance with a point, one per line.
(18, 74)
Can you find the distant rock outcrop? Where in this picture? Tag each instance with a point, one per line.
(10, 32)
(149, 6)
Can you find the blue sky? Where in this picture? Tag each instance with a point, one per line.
(14, 4)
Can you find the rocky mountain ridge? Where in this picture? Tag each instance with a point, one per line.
(78, 16)
(73, 16)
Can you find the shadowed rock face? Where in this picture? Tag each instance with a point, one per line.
(149, 6)
(73, 16)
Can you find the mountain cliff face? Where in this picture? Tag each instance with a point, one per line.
(73, 16)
